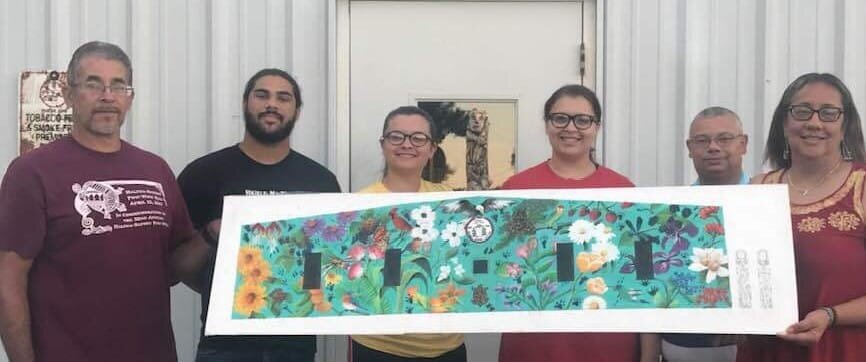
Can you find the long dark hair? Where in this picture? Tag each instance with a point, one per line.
(852, 133)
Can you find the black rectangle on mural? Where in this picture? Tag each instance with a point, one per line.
(312, 271)
(643, 259)
(565, 262)
(479, 266)
(391, 273)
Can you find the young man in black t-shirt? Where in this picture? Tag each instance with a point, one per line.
(263, 163)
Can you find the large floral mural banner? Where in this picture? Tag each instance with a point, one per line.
(423, 262)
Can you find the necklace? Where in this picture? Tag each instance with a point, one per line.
(805, 191)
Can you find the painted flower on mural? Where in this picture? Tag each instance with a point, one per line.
(676, 231)
(513, 269)
(711, 260)
(594, 302)
(603, 233)
(581, 231)
(249, 299)
(357, 252)
(268, 233)
(589, 262)
(596, 286)
(444, 272)
(458, 270)
(332, 233)
(313, 226)
(333, 278)
(712, 296)
(548, 286)
(323, 307)
(425, 232)
(447, 299)
(376, 251)
(355, 271)
(423, 216)
(249, 256)
(451, 294)
(525, 250)
(437, 306)
(707, 211)
(256, 273)
(608, 251)
(344, 218)
(415, 296)
(714, 229)
(453, 234)
(685, 282)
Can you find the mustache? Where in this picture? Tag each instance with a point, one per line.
(265, 113)
(106, 110)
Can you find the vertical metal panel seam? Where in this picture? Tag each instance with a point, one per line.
(685, 168)
(161, 76)
(210, 128)
(634, 148)
(658, 97)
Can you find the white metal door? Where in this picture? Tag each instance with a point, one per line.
(402, 51)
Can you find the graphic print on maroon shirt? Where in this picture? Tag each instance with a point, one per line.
(123, 204)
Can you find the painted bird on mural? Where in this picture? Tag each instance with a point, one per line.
(399, 221)
(556, 215)
(469, 209)
(350, 305)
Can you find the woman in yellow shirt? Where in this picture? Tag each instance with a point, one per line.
(407, 145)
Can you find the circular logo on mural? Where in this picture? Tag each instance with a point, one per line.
(479, 229)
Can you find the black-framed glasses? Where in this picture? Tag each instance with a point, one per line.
(396, 138)
(118, 90)
(802, 112)
(581, 121)
(723, 140)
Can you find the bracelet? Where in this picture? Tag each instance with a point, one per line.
(831, 314)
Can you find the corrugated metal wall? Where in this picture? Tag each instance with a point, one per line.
(664, 60)
(191, 59)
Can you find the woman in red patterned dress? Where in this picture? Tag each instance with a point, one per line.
(816, 146)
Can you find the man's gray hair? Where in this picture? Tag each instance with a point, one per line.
(98, 49)
(717, 111)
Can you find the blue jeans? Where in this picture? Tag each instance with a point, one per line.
(217, 355)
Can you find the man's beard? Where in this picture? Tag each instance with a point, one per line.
(258, 131)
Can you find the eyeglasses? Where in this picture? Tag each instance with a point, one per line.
(118, 90)
(581, 121)
(396, 138)
(802, 112)
(723, 140)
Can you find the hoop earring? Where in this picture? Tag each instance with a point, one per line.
(846, 152)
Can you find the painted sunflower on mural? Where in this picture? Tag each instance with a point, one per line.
(249, 299)
(256, 272)
(248, 256)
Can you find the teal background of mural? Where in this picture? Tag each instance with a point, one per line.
(441, 268)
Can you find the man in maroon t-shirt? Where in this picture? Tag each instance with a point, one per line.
(93, 232)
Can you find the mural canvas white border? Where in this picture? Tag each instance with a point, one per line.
(743, 205)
